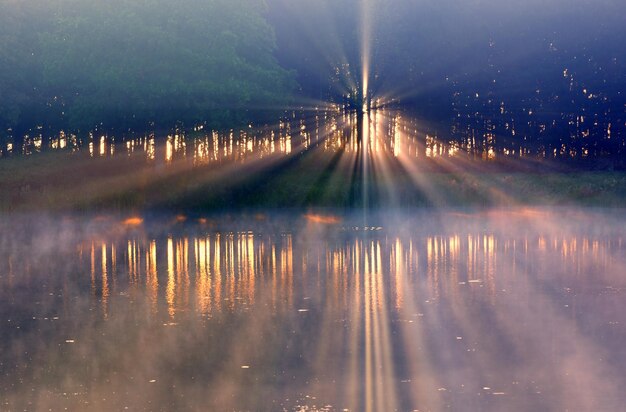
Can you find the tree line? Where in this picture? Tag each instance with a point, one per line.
(132, 63)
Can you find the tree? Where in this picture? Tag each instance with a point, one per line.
(129, 63)
(21, 99)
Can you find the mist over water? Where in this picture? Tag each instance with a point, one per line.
(503, 309)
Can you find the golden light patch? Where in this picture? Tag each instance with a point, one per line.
(323, 219)
(133, 221)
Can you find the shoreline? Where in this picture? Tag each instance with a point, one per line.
(63, 182)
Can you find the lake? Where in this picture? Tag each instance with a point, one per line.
(415, 309)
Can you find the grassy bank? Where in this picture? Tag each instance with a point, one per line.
(67, 182)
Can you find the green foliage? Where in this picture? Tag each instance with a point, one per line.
(126, 63)
(19, 61)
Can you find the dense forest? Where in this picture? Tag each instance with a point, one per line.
(80, 64)
(129, 63)
(422, 51)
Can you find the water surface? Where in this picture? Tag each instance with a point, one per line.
(506, 309)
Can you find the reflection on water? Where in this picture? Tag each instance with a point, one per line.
(503, 310)
(391, 131)
(225, 267)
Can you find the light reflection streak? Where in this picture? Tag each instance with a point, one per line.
(152, 277)
(171, 279)
(246, 262)
(105, 281)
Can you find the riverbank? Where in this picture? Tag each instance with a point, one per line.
(78, 182)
